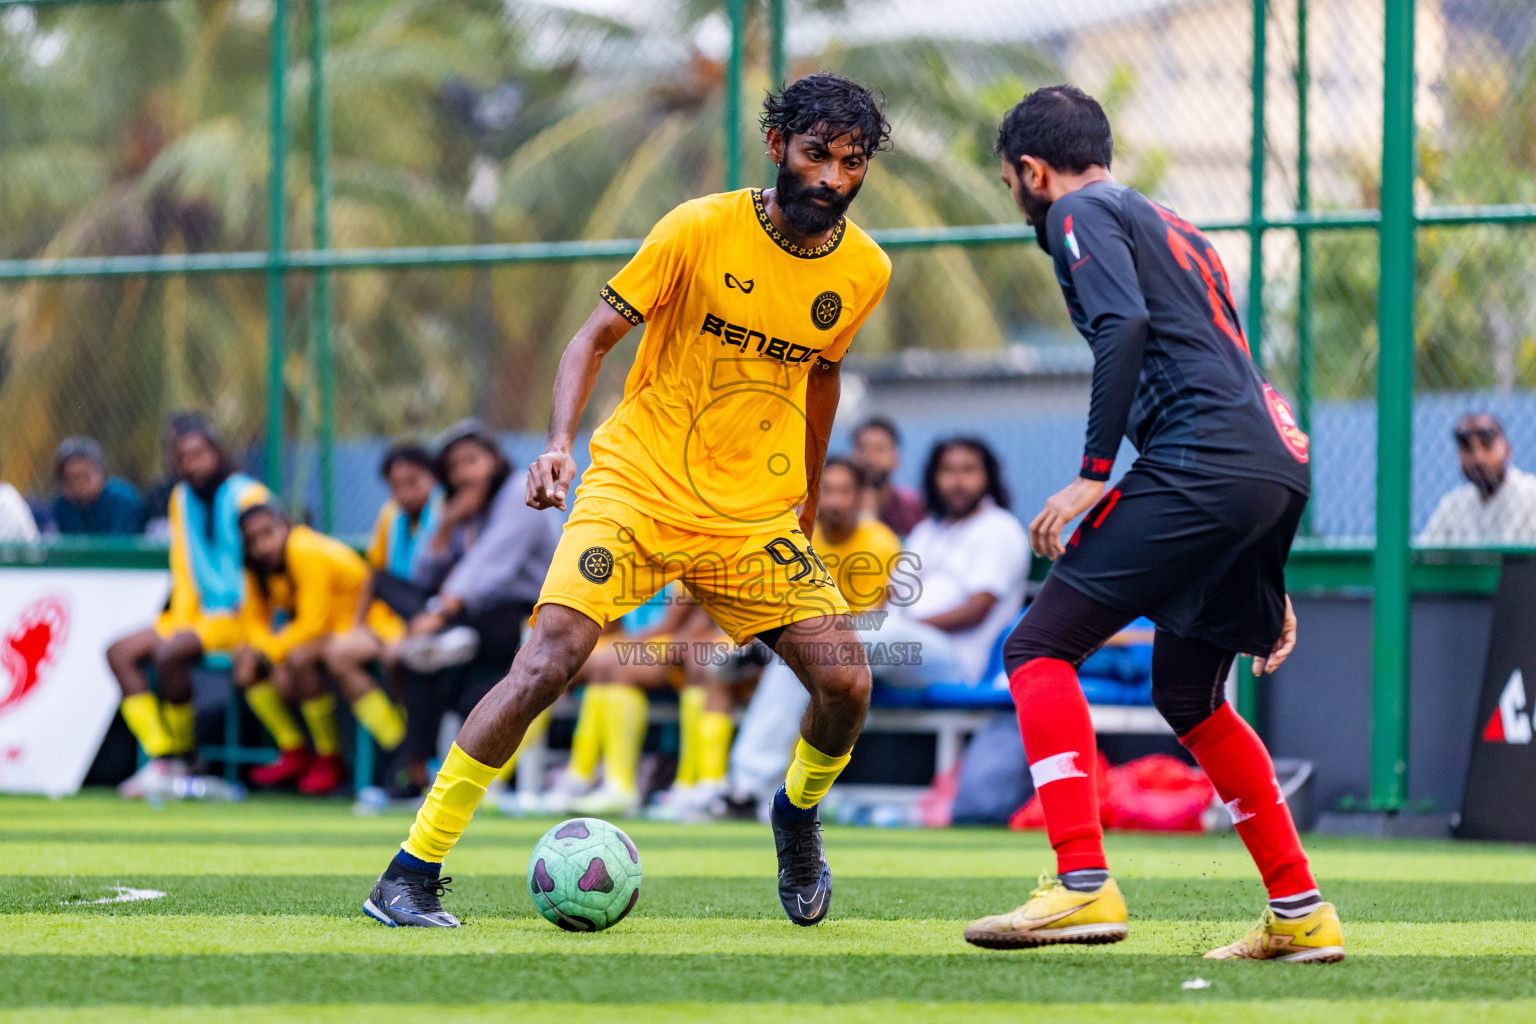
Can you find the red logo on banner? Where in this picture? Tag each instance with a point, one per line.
(1296, 442)
(1511, 720)
(30, 648)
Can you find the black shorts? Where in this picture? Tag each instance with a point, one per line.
(1201, 556)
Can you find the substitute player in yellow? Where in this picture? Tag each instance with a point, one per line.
(750, 299)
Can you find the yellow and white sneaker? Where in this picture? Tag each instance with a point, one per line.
(1054, 914)
(1314, 939)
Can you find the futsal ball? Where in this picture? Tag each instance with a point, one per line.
(584, 875)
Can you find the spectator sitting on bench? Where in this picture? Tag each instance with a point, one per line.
(970, 558)
(473, 584)
(317, 588)
(200, 618)
(406, 521)
(89, 502)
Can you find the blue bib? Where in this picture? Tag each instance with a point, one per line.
(216, 562)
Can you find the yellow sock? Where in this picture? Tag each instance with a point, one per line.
(381, 718)
(714, 745)
(623, 735)
(142, 713)
(272, 711)
(811, 774)
(180, 720)
(535, 732)
(690, 707)
(459, 788)
(320, 716)
(587, 741)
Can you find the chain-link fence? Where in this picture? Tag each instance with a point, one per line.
(438, 146)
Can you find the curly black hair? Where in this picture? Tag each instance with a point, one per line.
(1059, 124)
(833, 107)
(996, 489)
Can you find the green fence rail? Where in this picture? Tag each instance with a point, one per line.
(1396, 570)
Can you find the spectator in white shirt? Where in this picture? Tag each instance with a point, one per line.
(970, 557)
(16, 522)
(1497, 505)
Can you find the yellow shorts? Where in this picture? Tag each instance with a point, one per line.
(216, 632)
(383, 623)
(612, 558)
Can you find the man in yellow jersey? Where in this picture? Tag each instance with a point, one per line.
(406, 521)
(201, 615)
(319, 585)
(750, 298)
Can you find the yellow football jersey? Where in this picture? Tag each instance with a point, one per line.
(862, 563)
(710, 435)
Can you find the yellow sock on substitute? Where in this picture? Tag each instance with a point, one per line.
(534, 733)
(811, 774)
(320, 715)
(587, 741)
(142, 713)
(460, 786)
(272, 711)
(690, 708)
(623, 735)
(380, 717)
(180, 720)
(714, 745)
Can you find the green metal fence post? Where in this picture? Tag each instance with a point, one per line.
(1394, 421)
(733, 97)
(1303, 238)
(277, 158)
(778, 67)
(1256, 187)
(1247, 685)
(321, 310)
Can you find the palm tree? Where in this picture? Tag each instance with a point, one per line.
(616, 124)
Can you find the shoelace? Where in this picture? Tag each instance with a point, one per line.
(804, 864)
(429, 894)
(1044, 884)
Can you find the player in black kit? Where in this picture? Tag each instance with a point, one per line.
(1195, 535)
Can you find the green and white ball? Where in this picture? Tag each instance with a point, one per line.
(584, 875)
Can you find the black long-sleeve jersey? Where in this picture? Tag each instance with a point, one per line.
(1171, 366)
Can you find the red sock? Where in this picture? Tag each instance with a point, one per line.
(1239, 767)
(1059, 743)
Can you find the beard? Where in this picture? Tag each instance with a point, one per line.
(962, 505)
(1487, 481)
(1036, 208)
(806, 217)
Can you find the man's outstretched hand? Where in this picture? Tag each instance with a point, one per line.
(1060, 509)
(1283, 646)
(549, 478)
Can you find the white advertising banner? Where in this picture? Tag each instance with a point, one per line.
(57, 697)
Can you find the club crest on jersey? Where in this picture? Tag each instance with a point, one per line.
(1296, 442)
(825, 310)
(596, 564)
(1511, 721)
(1077, 252)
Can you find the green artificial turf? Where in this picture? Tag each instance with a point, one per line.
(261, 921)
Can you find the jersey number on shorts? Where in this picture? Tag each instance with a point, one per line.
(783, 551)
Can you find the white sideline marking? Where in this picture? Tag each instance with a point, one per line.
(124, 895)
